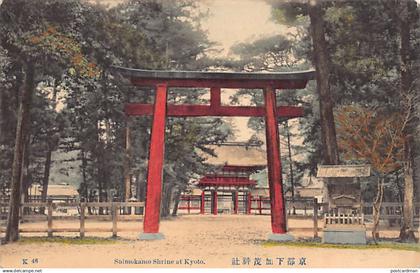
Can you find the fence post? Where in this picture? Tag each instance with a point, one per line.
(202, 203)
(315, 217)
(249, 199)
(50, 211)
(22, 207)
(114, 219)
(82, 220)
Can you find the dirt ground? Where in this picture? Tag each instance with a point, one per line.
(222, 241)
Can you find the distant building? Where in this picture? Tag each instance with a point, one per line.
(228, 189)
(56, 192)
(343, 190)
(311, 187)
(240, 181)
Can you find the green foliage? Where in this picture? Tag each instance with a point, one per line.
(171, 27)
(363, 42)
(268, 54)
(287, 13)
(31, 33)
(57, 44)
(79, 101)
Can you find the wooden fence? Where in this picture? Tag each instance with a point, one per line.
(392, 212)
(298, 207)
(343, 219)
(260, 205)
(114, 209)
(189, 203)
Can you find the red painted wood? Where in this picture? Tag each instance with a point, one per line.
(202, 204)
(189, 205)
(186, 207)
(190, 196)
(278, 223)
(224, 83)
(226, 181)
(259, 205)
(239, 168)
(236, 204)
(249, 203)
(156, 157)
(215, 202)
(138, 109)
(215, 97)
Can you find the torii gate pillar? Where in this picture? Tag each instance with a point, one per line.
(155, 167)
(275, 181)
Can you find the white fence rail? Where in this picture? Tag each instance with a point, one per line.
(344, 219)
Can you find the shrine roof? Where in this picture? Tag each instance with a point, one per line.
(330, 171)
(239, 168)
(236, 156)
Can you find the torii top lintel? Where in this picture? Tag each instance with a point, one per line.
(215, 81)
(278, 80)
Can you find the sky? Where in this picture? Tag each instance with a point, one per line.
(233, 21)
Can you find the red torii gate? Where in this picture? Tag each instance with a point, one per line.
(162, 80)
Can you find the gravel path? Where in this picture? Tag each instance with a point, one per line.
(200, 241)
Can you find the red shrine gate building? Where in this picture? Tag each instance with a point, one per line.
(162, 80)
(231, 186)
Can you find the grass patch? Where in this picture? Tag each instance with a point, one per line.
(70, 240)
(380, 245)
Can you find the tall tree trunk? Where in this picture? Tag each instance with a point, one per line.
(52, 143)
(320, 60)
(46, 177)
(127, 161)
(166, 199)
(22, 127)
(289, 148)
(84, 187)
(164, 203)
(26, 175)
(141, 190)
(416, 176)
(407, 229)
(2, 114)
(399, 188)
(100, 193)
(377, 208)
(100, 177)
(176, 202)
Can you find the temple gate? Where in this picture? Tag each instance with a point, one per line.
(162, 80)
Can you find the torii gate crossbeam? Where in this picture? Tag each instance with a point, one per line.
(162, 80)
